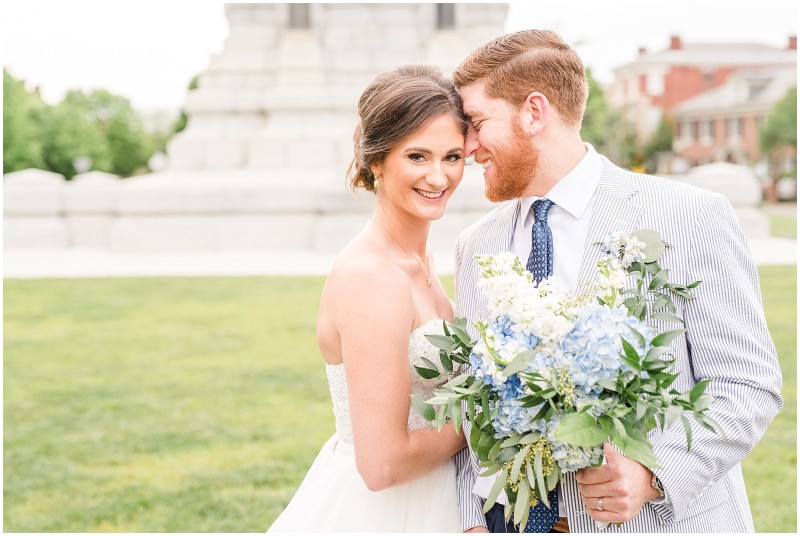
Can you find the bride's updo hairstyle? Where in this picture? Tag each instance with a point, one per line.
(394, 106)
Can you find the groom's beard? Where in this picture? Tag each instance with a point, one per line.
(515, 165)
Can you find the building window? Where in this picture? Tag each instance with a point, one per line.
(685, 130)
(706, 131)
(445, 16)
(299, 16)
(735, 127)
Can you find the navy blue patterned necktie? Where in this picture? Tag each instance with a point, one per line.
(540, 261)
(540, 264)
(542, 518)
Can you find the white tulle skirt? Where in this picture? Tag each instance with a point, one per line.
(333, 498)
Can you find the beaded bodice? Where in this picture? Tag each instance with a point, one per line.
(418, 346)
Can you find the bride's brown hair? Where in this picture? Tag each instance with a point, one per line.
(394, 106)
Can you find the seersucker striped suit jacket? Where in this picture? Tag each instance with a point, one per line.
(726, 339)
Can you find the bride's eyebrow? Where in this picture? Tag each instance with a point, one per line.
(418, 150)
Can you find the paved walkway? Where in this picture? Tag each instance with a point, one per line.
(101, 263)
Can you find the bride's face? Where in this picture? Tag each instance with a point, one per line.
(421, 172)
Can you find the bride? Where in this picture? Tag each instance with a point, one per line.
(385, 470)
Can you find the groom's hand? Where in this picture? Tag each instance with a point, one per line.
(477, 529)
(621, 486)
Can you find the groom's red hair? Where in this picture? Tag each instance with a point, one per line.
(516, 64)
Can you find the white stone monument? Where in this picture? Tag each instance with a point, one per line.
(262, 162)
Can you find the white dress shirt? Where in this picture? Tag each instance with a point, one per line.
(568, 219)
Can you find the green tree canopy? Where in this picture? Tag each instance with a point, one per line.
(22, 111)
(605, 128)
(780, 129)
(121, 126)
(69, 134)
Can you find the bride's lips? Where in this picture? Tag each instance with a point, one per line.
(431, 196)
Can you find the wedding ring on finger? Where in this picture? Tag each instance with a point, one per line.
(600, 503)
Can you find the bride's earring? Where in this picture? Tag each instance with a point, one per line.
(377, 183)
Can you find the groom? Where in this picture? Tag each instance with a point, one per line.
(525, 94)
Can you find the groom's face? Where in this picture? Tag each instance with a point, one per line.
(498, 142)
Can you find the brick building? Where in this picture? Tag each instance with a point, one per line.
(652, 85)
(722, 124)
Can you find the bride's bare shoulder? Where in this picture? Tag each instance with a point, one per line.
(363, 270)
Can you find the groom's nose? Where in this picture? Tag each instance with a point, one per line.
(471, 144)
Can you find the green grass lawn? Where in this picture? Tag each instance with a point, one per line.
(783, 223)
(197, 404)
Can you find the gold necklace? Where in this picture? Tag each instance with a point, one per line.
(425, 270)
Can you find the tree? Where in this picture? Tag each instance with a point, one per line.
(778, 137)
(67, 133)
(22, 111)
(606, 129)
(659, 142)
(121, 126)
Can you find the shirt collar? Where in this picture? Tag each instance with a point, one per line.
(575, 190)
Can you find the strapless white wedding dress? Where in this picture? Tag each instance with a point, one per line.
(334, 498)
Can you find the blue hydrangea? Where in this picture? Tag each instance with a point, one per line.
(591, 350)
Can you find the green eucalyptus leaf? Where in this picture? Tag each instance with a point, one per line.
(707, 422)
(506, 455)
(539, 472)
(672, 414)
(519, 363)
(652, 268)
(698, 389)
(630, 356)
(638, 450)
(495, 450)
(474, 438)
(447, 362)
(661, 301)
(688, 429)
(608, 385)
(580, 430)
(607, 425)
(638, 336)
(423, 408)
(442, 342)
(553, 477)
(659, 280)
(428, 374)
(522, 505)
(667, 317)
(702, 403)
(641, 409)
(665, 338)
(457, 381)
(484, 444)
(517, 465)
(511, 441)
(655, 246)
(495, 491)
(530, 437)
(429, 364)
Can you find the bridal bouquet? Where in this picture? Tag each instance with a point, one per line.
(554, 376)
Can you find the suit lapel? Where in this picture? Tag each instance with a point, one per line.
(496, 238)
(617, 207)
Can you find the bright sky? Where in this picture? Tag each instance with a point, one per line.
(149, 50)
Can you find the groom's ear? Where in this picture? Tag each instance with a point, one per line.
(535, 111)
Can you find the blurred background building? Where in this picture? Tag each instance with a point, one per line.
(715, 96)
